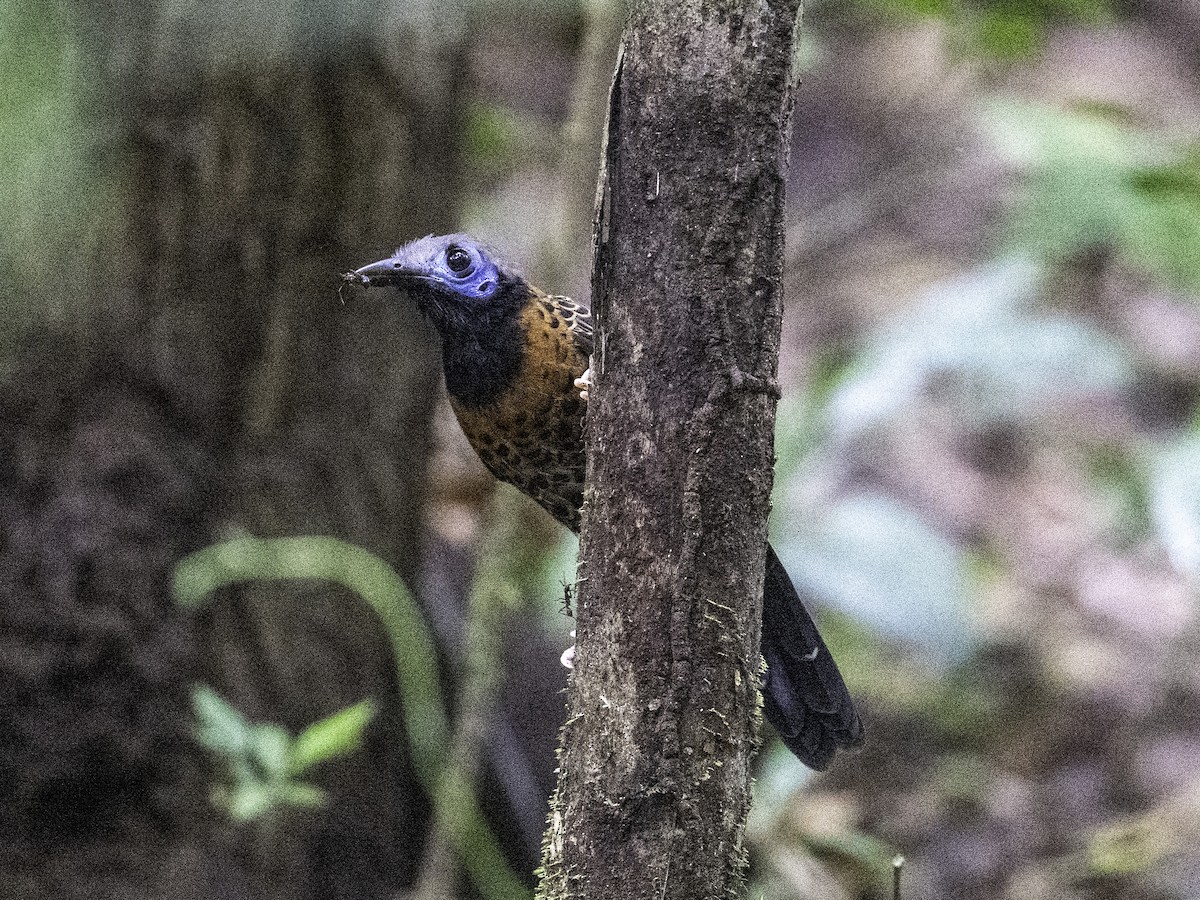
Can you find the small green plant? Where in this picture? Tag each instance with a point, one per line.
(269, 762)
(264, 764)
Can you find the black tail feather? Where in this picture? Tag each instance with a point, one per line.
(804, 696)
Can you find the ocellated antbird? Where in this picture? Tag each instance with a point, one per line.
(515, 360)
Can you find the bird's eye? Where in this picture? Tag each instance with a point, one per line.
(458, 259)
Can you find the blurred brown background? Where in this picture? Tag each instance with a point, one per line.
(989, 462)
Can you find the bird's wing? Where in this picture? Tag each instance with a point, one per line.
(579, 320)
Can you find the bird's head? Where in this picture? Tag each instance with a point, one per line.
(454, 279)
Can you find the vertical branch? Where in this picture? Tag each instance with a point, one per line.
(655, 767)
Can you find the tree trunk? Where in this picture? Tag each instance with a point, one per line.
(655, 769)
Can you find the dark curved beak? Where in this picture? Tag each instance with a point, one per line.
(379, 274)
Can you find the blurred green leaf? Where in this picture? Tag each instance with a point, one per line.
(942, 9)
(872, 666)
(1008, 33)
(256, 759)
(963, 777)
(1131, 847)
(50, 195)
(556, 569)
(250, 802)
(1014, 29)
(492, 137)
(874, 559)
(1175, 501)
(990, 355)
(1166, 230)
(1036, 134)
(1140, 843)
(271, 749)
(807, 53)
(219, 726)
(1119, 477)
(960, 707)
(335, 735)
(1007, 29)
(1093, 179)
(198, 575)
(798, 426)
(298, 793)
(776, 821)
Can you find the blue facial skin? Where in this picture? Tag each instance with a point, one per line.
(472, 302)
(454, 263)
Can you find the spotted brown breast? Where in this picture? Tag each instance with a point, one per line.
(532, 435)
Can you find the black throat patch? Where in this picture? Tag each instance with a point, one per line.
(482, 348)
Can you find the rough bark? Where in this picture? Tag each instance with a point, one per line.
(654, 784)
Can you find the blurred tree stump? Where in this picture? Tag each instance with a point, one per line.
(218, 386)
